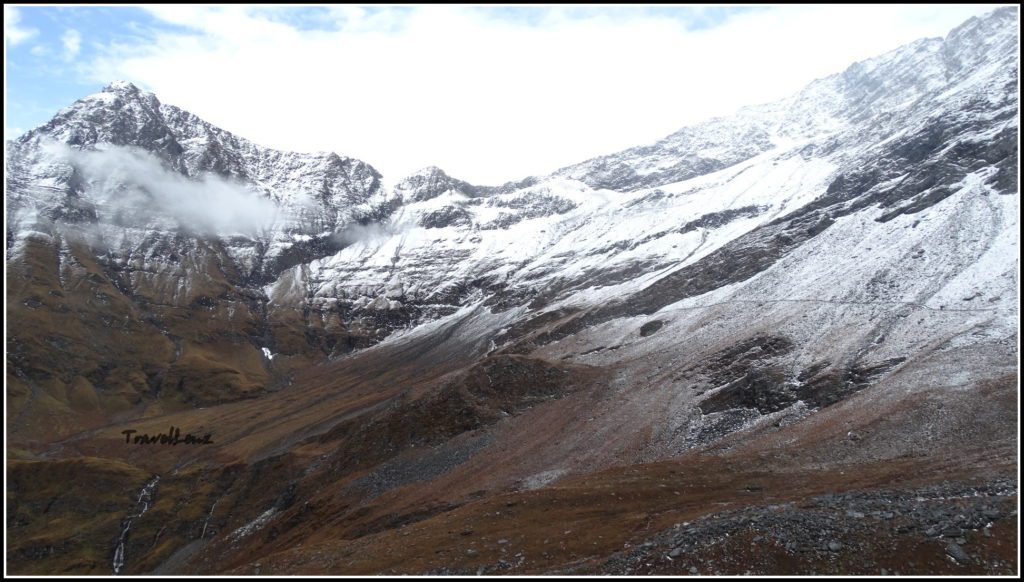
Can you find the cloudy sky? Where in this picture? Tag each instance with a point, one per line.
(490, 94)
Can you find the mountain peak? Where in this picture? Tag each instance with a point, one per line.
(126, 90)
(121, 86)
(429, 171)
(116, 94)
(993, 21)
(430, 182)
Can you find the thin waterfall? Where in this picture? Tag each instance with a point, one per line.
(141, 506)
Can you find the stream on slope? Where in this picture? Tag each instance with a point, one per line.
(141, 505)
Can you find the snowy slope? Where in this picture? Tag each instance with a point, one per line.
(917, 136)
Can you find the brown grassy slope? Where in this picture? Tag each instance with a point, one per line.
(87, 345)
(582, 520)
(292, 450)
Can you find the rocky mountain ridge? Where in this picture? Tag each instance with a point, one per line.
(824, 283)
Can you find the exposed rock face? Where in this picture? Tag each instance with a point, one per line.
(430, 183)
(688, 153)
(831, 276)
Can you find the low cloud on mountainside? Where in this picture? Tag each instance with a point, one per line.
(132, 187)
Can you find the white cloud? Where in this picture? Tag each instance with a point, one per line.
(12, 132)
(13, 33)
(491, 99)
(132, 184)
(72, 41)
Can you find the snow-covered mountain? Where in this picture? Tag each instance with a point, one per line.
(837, 267)
(336, 261)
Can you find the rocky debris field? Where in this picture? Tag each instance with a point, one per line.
(946, 528)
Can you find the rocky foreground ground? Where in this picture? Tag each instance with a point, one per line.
(946, 528)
